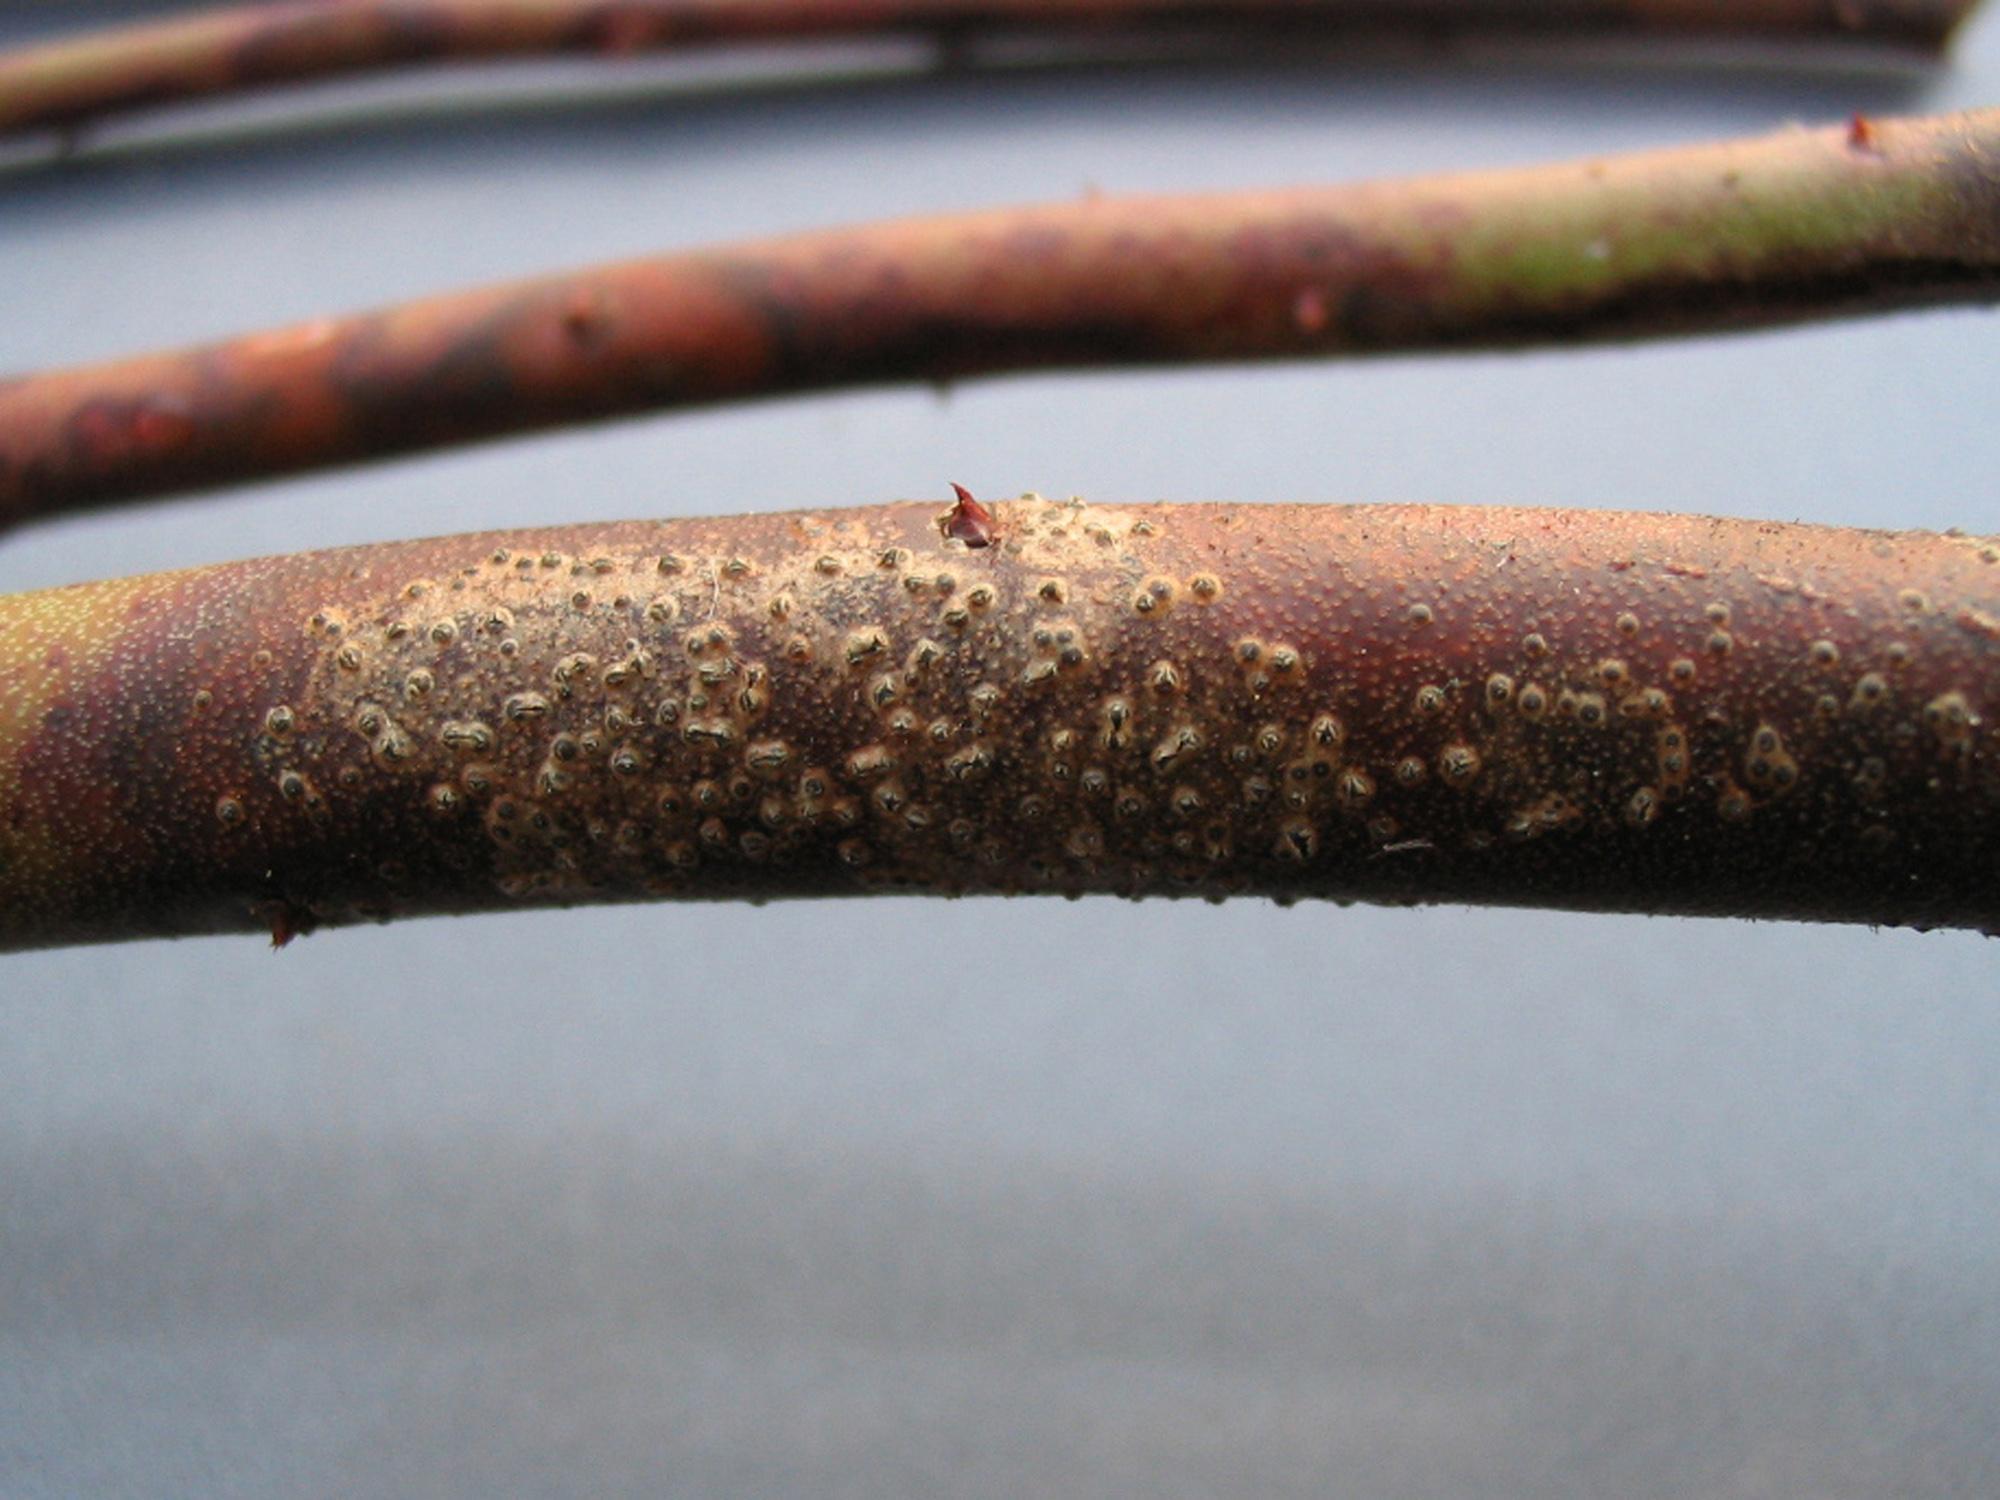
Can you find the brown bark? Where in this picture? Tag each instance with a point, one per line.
(1803, 224)
(1403, 704)
(235, 48)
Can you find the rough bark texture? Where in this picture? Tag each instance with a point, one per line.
(1403, 704)
(234, 48)
(1803, 224)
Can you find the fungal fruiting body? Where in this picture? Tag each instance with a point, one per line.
(1389, 703)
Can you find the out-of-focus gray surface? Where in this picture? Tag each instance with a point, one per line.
(984, 1198)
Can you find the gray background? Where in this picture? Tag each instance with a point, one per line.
(990, 1198)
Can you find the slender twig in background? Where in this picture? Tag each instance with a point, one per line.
(1406, 704)
(85, 77)
(1798, 225)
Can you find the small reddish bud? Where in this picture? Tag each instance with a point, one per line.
(1309, 311)
(283, 923)
(969, 521)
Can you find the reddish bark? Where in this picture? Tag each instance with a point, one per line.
(1403, 704)
(1799, 225)
(235, 48)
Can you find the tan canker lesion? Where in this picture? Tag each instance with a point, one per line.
(848, 617)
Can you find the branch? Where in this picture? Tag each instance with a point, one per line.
(1797, 225)
(1404, 704)
(236, 48)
